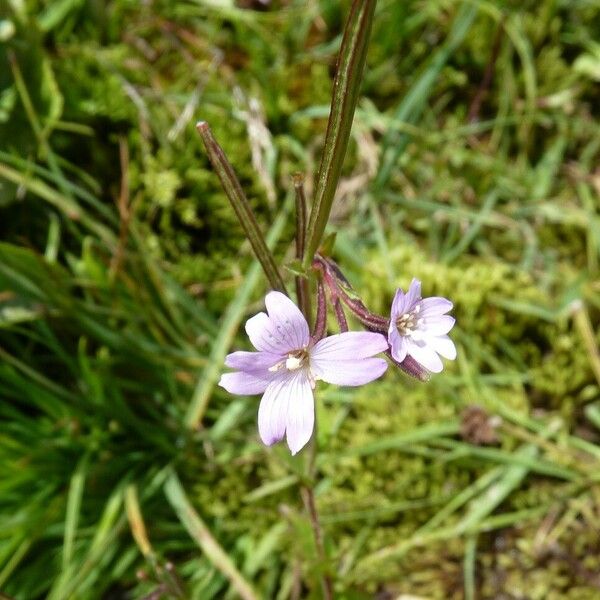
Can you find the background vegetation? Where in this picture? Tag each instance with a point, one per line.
(124, 279)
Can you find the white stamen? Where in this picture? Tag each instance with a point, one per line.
(295, 360)
(293, 363)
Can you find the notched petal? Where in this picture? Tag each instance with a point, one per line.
(287, 320)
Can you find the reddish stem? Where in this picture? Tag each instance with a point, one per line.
(339, 313)
(321, 319)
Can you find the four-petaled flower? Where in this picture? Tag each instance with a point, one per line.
(418, 328)
(289, 362)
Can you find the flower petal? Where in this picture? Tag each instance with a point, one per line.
(434, 306)
(252, 361)
(398, 344)
(245, 384)
(287, 319)
(284, 329)
(398, 304)
(300, 420)
(425, 355)
(261, 332)
(443, 345)
(413, 294)
(348, 372)
(287, 406)
(350, 345)
(439, 325)
(272, 412)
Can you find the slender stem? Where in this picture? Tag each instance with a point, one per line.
(302, 283)
(298, 179)
(307, 489)
(333, 291)
(321, 320)
(370, 320)
(340, 288)
(350, 66)
(339, 313)
(308, 497)
(241, 206)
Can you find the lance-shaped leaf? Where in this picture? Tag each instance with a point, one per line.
(241, 206)
(346, 86)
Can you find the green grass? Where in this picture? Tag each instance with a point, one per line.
(125, 472)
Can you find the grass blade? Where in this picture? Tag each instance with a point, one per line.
(204, 538)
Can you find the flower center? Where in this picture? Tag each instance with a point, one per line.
(409, 322)
(295, 360)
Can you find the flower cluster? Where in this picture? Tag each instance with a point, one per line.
(289, 360)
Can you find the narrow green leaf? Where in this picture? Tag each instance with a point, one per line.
(266, 549)
(419, 434)
(72, 513)
(241, 206)
(231, 320)
(204, 538)
(346, 86)
(271, 487)
(106, 532)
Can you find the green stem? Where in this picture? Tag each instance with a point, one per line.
(302, 283)
(241, 206)
(308, 497)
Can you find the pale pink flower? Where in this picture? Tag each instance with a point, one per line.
(289, 362)
(418, 328)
